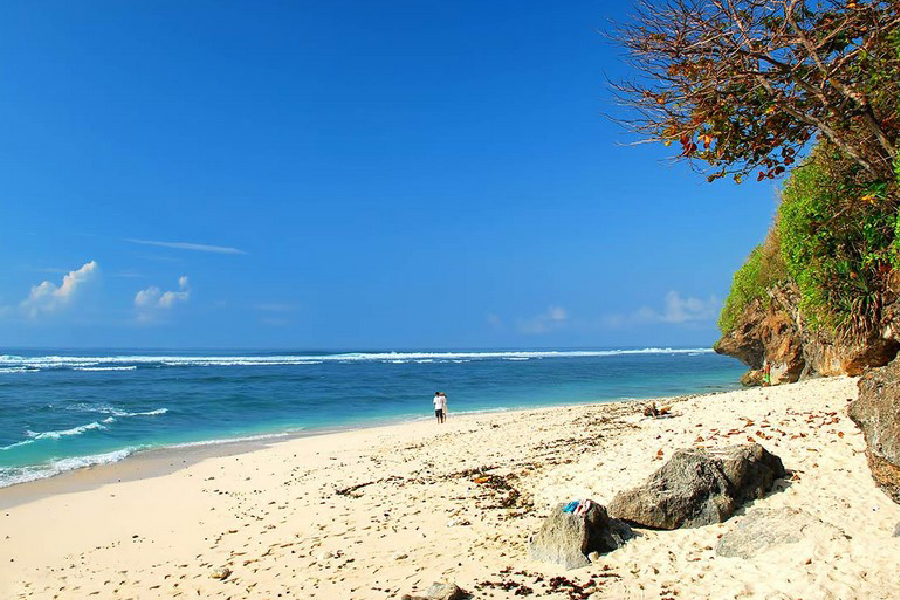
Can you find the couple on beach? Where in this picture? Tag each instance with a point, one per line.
(440, 406)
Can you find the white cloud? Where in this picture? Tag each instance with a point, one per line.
(676, 311)
(47, 297)
(152, 301)
(554, 318)
(188, 246)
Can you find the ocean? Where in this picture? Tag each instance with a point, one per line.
(65, 409)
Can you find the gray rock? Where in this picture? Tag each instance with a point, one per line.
(220, 573)
(877, 413)
(897, 530)
(439, 591)
(444, 591)
(699, 487)
(567, 540)
(763, 529)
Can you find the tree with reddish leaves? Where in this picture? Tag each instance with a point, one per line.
(743, 85)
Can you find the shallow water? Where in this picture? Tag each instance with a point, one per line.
(61, 409)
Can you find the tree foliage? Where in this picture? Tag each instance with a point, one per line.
(837, 241)
(743, 85)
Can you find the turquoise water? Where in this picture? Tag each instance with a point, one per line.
(61, 409)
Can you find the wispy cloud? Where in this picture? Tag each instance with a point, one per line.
(47, 297)
(151, 302)
(275, 322)
(676, 310)
(276, 307)
(554, 318)
(188, 246)
(46, 269)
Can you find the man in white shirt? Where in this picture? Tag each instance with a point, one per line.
(439, 404)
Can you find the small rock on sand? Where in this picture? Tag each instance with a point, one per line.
(765, 528)
(566, 539)
(439, 591)
(444, 591)
(220, 573)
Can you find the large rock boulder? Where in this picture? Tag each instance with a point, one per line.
(877, 413)
(566, 539)
(763, 529)
(699, 487)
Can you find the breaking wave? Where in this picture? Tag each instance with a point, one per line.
(55, 435)
(9, 363)
(12, 475)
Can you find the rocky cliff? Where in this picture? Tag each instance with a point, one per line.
(775, 332)
(877, 413)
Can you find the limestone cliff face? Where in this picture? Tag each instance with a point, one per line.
(877, 413)
(779, 335)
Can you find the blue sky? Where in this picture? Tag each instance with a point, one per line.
(344, 174)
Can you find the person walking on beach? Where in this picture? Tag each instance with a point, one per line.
(443, 407)
(438, 407)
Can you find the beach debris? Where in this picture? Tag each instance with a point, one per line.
(567, 538)
(762, 529)
(699, 486)
(897, 530)
(349, 491)
(525, 583)
(220, 573)
(651, 410)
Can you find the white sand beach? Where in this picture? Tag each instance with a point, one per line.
(376, 513)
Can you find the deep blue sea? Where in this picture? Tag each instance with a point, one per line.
(64, 409)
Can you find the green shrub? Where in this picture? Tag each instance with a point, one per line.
(763, 269)
(837, 232)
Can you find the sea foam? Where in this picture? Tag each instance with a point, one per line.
(55, 435)
(12, 475)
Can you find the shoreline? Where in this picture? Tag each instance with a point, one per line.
(144, 463)
(375, 513)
